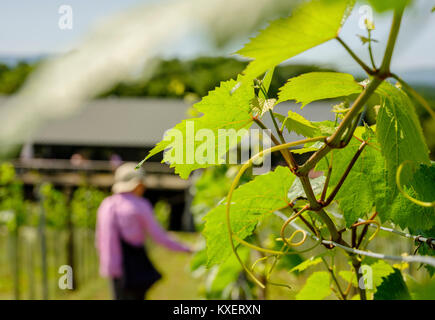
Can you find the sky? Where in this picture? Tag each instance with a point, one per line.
(30, 28)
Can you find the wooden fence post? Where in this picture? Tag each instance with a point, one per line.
(43, 243)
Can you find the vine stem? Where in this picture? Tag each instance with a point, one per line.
(355, 57)
(281, 137)
(234, 185)
(405, 258)
(346, 173)
(365, 229)
(334, 278)
(372, 59)
(291, 163)
(395, 27)
(357, 265)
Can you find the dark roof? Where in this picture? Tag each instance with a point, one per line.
(138, 122)
(115, 122)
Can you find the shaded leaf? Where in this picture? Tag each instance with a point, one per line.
(393, 287)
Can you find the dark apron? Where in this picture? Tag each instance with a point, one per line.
(138, 271)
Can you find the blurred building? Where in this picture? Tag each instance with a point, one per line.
(85, 149)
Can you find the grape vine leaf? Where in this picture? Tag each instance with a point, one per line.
(267, 80)
(250, 203)
(306, 264)
(260, 106)
(393, 287)
(314, 86)
(297, 123)
(401, 139)
(398, 130)
(226, 107)
(297, 190)
(228, 273)
(199, 259)
(424, 248)
(379, 271)
(356, 195)
(373, 273)
(316, 287)
(310, 25)
(409, 214)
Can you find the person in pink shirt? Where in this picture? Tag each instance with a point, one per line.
(124, 221)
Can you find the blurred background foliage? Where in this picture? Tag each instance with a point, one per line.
(193, 79)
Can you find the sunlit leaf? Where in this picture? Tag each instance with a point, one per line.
(315, 86)
(311, 24)
(226, 107)
(316, 287)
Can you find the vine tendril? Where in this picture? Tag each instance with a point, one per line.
(407, 196)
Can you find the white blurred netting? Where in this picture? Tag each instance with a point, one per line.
(115, 48)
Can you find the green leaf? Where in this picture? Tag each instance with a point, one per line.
(297, 123)
(423, 291)
(398, 130)
(199, 259)
(349, 276)
(380, 271)
(297, 189)
(393, 287)
(311, 24)
(227, 107)
(260, 106)
(356, 195)
(373, 274)
(408, 214)
(424, 249)
(251, 202)
(314, 86)
(266, 83)
(401, 139)
(228, 273)
(306, 264)
(316, 288)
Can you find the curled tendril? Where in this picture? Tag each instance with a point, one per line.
(407, 196)
(294, 234)
(230, 194)
(286, 223)
(378, 227)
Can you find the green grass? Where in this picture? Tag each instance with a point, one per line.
(177, 281)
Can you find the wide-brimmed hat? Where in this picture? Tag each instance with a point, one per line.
(127, 178)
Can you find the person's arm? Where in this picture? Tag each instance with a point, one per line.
(157, 233)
